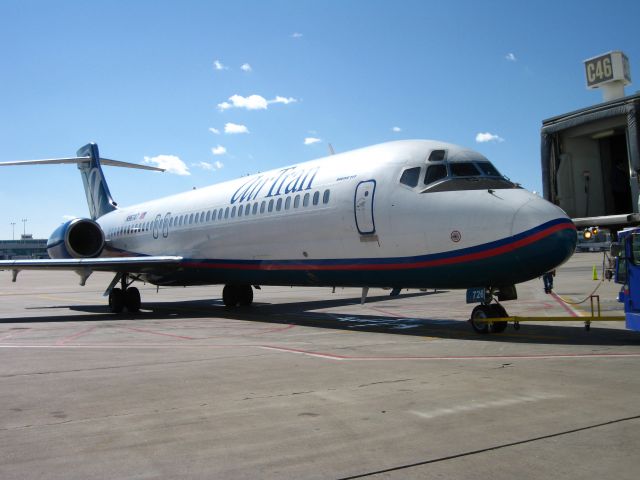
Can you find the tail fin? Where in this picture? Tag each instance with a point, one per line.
(89, 163)
(95, 186)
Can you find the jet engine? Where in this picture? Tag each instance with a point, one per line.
(77, 238)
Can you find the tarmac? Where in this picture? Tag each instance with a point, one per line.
(310, 384)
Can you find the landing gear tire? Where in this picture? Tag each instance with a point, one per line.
(234, 295)
(246, 295)
(479, 313)
(116, 300)
(132, 299)
(483, 312)
(498, 312)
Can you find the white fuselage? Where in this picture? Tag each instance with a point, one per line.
(315, 219)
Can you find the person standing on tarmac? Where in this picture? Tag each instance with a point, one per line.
(547, 278)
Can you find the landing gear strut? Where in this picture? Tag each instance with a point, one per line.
(125, 296)
(234, 295)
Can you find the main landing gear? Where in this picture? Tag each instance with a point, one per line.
(125, 296)
(234, 295)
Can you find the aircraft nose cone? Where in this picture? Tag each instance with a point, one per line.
(547, 233)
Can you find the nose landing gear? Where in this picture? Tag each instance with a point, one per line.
(481, 313)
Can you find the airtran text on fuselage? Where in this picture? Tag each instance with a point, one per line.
(287, 180)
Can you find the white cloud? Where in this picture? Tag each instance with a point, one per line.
(235, 128)
(218, 65)
(488, 137)
(170, 163)
(253, 102)
(209, 166)
(296, 35)
(311, 140)
(245, 67)
(284, 100)
(510, 57)
(219, 150)
(214, 131)
(396, 129)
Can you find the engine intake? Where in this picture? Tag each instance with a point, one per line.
(77, 238)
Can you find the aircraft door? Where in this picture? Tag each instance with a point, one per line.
(363, 207)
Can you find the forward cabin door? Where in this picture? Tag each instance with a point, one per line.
(363, 207)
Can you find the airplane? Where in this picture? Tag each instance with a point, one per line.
(402, 214)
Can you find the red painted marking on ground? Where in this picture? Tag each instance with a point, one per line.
(71, 338)
(142, 330)
(571, 311)
(14, 333)
(272, 330)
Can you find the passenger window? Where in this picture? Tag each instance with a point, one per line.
(316, 198)
(190, 219)
(279, 205)
(226, 213)
(296, 201)
(410, 177)
(271, 205)
(435, 173)
(262, 205)
(240, 210)
(233, 212)
(202, 217)
(255, 208)
(208, 217)
(213, 215)
(247, 209)
(325, 197)
(220, 214)
(305, 201)
(464, 169)
(287, 203)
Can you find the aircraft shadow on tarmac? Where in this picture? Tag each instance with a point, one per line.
(305, 314)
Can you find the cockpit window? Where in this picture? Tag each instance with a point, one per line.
(437, 155)
(410, 177)
(488, 169)
(435, 173)
(464, 169)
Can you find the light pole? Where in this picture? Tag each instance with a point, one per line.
(24, 223)
(13, 230)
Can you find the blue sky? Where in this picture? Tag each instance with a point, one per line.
(153, 81)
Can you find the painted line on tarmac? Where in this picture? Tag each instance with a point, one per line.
(473, 406)
(572, 311)
(337, 357)
(71, 338)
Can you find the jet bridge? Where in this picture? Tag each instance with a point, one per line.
(591, 162)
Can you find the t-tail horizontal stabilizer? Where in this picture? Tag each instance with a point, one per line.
(95, 186)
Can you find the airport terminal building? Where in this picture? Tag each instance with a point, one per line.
(25, 247)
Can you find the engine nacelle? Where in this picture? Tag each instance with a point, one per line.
(77, 238)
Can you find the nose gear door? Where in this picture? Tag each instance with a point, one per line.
(363, 207)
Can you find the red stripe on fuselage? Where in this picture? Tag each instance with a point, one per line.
(492, 252)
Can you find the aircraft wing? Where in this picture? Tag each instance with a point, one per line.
(104, 264)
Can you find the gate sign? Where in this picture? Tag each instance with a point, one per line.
(607, 68)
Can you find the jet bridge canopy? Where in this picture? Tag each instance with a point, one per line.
(591, 161)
